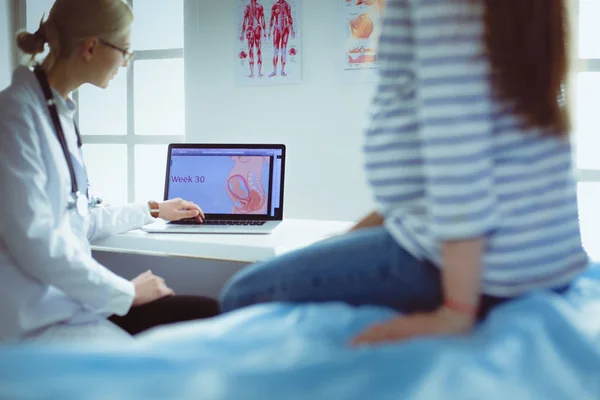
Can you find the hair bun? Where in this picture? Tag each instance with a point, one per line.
(31, 43)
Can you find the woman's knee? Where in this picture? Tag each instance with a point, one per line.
(248, 280)
(273, 280)
(267, 281)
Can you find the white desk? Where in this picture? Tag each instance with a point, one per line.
(200, 264)
(290, 235)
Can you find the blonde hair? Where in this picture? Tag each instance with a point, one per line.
(70, 22)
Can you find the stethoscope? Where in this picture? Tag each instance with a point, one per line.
(80, 202)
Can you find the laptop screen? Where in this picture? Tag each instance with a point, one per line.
(244, 182)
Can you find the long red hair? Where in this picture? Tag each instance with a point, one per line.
(527, 44)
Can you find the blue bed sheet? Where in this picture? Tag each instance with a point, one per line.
(541, 347)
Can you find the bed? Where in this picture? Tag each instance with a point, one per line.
(541, 347)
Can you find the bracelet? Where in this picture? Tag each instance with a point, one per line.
(154, 209)
(460, 308)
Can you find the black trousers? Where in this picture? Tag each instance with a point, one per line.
(167, 310)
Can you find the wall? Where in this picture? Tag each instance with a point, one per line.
(6, 49)
(320, 120)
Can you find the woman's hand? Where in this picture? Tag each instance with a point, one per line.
(370, 221)
(149, 287)
(440, 322)
(461, 282)
(176, 209)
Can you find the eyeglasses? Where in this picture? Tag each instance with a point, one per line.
(127, 54)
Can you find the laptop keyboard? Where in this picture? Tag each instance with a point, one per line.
(192, 221)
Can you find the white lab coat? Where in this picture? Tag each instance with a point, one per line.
(49, 282)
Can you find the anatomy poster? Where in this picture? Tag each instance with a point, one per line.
(269, 36)
(361, 26)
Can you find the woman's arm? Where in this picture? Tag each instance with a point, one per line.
(41, 242)
(457, 141)
(456, 135)
(107, 220)
(462, 278)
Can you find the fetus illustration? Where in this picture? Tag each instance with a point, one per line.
(362, 26)
(245, 187)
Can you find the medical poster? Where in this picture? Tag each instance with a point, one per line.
(269, 37)
(361, 22)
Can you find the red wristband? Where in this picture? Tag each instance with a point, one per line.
(460, 308)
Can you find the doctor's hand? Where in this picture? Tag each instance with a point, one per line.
(176, 209)
(149, 287)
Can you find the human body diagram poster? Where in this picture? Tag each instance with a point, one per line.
(361, 22)
(268, 34)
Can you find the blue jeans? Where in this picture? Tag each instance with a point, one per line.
(366, 267)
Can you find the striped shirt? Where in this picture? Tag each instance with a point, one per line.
(447, 161)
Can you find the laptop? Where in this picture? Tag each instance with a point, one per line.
(238, 186)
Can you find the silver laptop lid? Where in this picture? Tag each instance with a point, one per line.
(229, 181)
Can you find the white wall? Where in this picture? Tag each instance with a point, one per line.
(5, 44)
(320, 121)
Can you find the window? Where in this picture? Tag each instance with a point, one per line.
(587, 122)
(127, 127)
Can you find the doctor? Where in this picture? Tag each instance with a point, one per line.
(50, 286)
